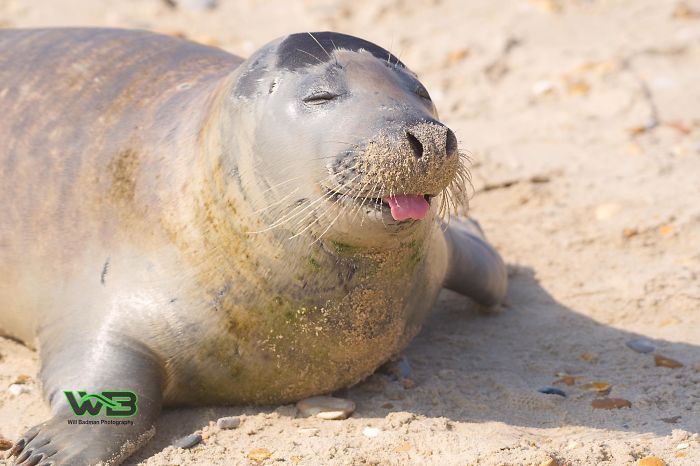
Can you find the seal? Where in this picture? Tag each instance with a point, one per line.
(180, 226)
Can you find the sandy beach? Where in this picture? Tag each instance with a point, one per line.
(582, 119)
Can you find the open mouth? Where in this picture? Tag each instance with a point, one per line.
(402, 207)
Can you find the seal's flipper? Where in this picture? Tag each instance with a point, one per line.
(105, 395)
(475, 268)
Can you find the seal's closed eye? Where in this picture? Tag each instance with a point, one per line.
(319, 97)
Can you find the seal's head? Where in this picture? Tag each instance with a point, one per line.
(345, 135)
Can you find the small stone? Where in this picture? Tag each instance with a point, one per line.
(663, 361)
(22, 379)
(259, 454)
(5, 444)
(370, 432)
(542, 87)
(230, 422)
(408, 383)
(682, 446)
(309, 431)
(602, 388)
(640, 345)
(610, 403)
(549, 462)
(197, 5)
(17, 389)
(404, 447)
(607, 211)
(187, 441)
(405, 370)
(566, 380)
(651, 461)
(388, 406)
(326, 407)
(590, 356)
(552, 391)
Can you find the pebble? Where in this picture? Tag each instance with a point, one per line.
(599, 387)
(549, 462)
(259, 454)
(682, 446)
(663, 361)
(552, 391)
(640, 345)
(197, 5)
(651, 461)
(17, 389)
(228, 422)
(370, 432)
(326, 407)
(187, 441)
(566, 380)
(22, 379)
(5, 444)
(610, 403)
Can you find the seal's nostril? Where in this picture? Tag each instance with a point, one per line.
(451, 143)
(416, 145)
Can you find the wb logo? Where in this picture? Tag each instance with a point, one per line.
(117, 403)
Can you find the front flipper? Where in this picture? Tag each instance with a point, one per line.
(105, 428)
(475, 268)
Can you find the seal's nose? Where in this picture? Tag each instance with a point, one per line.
(431, 139)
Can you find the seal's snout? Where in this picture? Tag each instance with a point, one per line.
(431, 139)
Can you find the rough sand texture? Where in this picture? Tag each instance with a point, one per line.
(583, 119)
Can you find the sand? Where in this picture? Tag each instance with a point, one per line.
(583, 122)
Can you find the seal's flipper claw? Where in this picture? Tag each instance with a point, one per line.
(475, 269)
(102, 413)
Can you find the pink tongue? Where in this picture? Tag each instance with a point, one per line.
(408, 206)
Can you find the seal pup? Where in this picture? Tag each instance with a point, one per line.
(192, 228)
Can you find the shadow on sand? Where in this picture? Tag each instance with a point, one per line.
(472, 367)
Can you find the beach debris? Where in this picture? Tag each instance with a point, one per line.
(602, 388)
(230, 422)
(259, 454)
(590, 356)
(22, 379)
(371, 432)
(552, 391)
(640, 345)
(404, 447)
(651, 461)
(663, 361)
(566, 380)
(326, 407)
(188, 441)
(5, 444)
(17, 389)
(610, 403)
